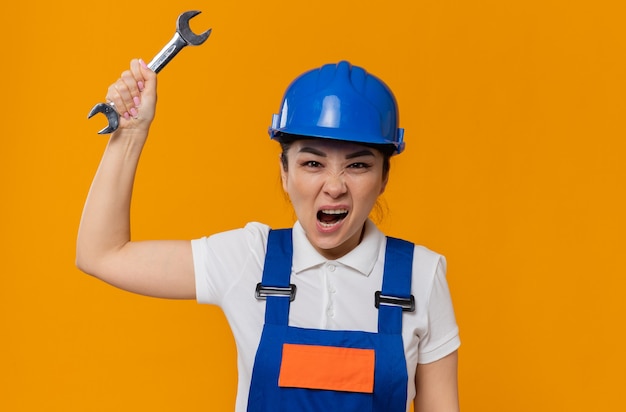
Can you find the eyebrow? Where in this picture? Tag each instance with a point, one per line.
(307, 149)
(359, 154)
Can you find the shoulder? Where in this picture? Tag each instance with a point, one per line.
(250, 238)
(428, 261)
(251, 232)
(425, 260)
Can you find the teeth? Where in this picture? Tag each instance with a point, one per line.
(335, 211)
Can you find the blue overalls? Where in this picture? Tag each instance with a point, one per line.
(382, 385)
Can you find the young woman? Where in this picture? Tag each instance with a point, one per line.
(329, 315)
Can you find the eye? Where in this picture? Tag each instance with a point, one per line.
(359, 165)
(311, 163)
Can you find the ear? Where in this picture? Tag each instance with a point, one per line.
(283, 173)
(384, 185)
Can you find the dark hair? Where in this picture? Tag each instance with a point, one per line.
(286, 140)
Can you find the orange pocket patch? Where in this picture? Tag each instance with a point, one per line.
(327, 367)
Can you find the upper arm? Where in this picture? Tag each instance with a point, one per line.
(436, 385)
(161, 268)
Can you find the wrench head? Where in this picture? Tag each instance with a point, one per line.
(183, 29)
(112, 116)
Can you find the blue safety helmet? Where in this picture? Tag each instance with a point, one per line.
(342, 102)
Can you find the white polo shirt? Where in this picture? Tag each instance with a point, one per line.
(331, 294)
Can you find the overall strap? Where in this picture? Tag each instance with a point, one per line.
(275, 285)
(395, 296)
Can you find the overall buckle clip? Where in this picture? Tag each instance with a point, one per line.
(262, 292)
(407, 304)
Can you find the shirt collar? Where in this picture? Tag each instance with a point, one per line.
(362, 258)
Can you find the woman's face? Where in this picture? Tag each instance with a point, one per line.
(333, 187)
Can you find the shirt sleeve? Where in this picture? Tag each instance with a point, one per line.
(220, 259)
(442, 336)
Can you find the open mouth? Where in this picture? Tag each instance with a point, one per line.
(330, 217)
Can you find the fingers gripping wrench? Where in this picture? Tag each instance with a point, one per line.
(183, 37)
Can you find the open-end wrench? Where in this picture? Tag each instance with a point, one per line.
(183, 37)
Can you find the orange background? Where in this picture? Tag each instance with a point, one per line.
(514, 169)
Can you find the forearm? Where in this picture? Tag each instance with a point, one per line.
(437, 386)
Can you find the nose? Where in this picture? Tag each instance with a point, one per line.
(335, 185)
